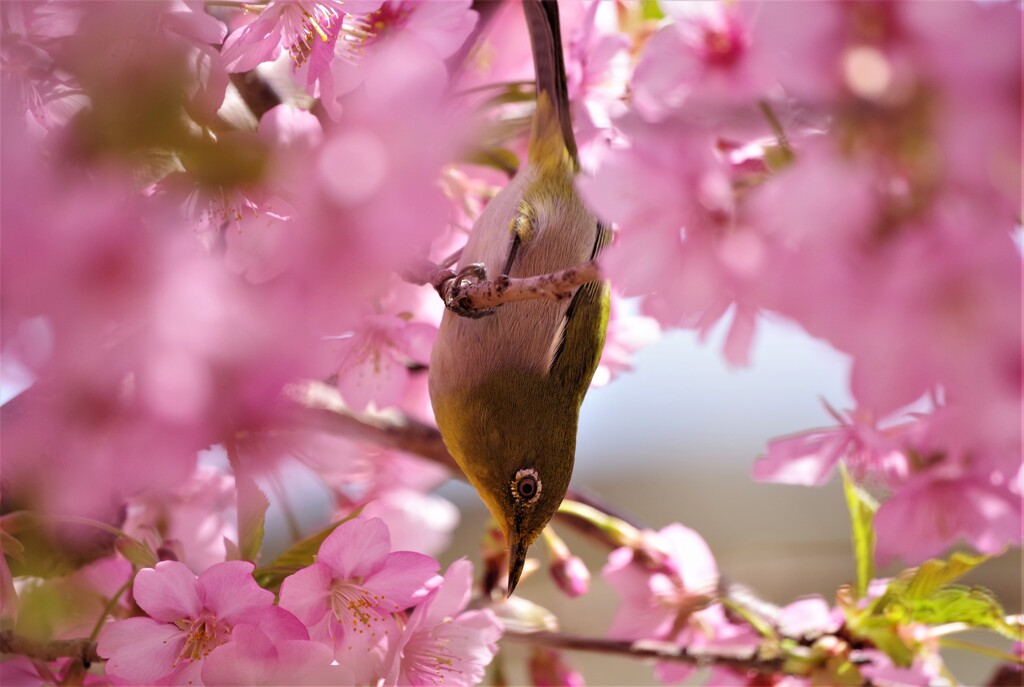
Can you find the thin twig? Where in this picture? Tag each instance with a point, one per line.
(83, 649)
(554, 286)
(663, 651)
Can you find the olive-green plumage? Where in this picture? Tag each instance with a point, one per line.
(507, 388)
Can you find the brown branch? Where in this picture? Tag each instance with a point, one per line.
(555, 286)
(82, 649)
(663, 651)
(322, 409)
(462, 294)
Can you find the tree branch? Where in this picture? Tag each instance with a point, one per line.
(82, 649)
(555, 286)
(462, 294)
(322, 409)
(663, 651)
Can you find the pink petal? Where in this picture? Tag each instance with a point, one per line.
(415, 340)
(365, 652)
(140, 650)
(198, 26)
(247, 660)
(444, 26)
(356, 548)
(167, 592)
(452, 595)
(403, 578)
(309, 663)
(807, 459)
(306, 593)
(230, 591)
(809, 617)
(692, 557)
(280, 625)
(379, 377)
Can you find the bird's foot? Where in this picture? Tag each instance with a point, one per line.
(451, 286)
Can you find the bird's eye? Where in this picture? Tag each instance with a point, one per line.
(526, 486)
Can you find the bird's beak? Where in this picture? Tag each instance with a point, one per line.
(516, 559)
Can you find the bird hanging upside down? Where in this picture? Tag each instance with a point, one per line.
(507, 388)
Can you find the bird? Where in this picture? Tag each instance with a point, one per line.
(506, 388)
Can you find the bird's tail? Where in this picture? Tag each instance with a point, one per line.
(553, 116)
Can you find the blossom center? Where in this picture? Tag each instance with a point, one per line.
(429, 658)
(203, 635)
(319, 22)
(352, 603)
(722, 45)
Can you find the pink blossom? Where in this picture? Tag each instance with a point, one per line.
(375, 361)
(627, 334)
(571, 575)
(442, 643)
(810, 458)
(427, 32)
(189, 617)
(347, 598)
(418, 522)
(654, 600)
(936, 508)
(194, 516)
(704, 61)
(288, 25)
(254, 658)
(878, 667)
(809, 617)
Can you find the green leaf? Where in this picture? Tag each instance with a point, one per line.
(252, 514)
(862, 513)
(299, 555)
(932, 575)
(974, 606)
(138, 553)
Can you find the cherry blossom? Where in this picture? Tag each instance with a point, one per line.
(442, 643)
(348, 597)
(188, 618)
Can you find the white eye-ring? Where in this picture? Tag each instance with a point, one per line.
(526, 486)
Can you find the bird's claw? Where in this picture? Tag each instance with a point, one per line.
(452, 290)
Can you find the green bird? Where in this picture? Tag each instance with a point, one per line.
(506, 388)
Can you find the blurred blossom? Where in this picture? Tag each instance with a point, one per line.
(627, 334)
(571, 576)
(254, 658)
(809, 617)
(937, 508)
(375, 361)
(347, 598)
(878, 667)
(188, 618)
(669, 600)
(284, 25)
(420, 31)
(417, 522)
(196, 516)
(442, 643)
(705, 60)
(810, 458)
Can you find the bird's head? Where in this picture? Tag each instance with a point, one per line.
(515, 439)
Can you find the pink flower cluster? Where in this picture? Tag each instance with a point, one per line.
(361, 614)
(666, 588)
(833, 164)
